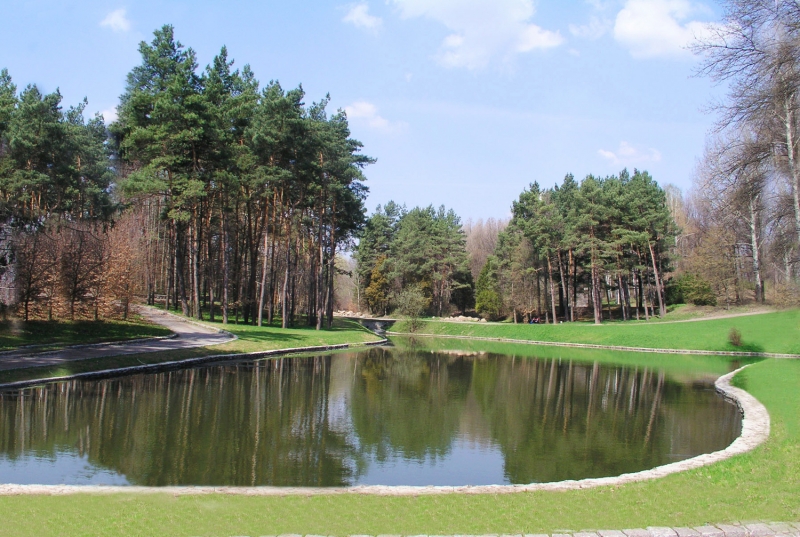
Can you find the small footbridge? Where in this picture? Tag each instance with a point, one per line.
(379, 325)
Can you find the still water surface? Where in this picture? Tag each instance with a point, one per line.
(380, 416)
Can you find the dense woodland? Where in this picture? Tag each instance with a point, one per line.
(226, 199)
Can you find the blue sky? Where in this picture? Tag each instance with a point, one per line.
(463, 102)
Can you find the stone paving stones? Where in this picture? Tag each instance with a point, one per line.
(759, 530)
(750, 529)
(710, 531)
(733, 531)
(661, 531)
(637, 532)
(611, 533)
(781, 527)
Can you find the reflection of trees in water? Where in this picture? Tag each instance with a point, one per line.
(408, 404)
(561, 420)
(249, 424)
(284, 422)
(552, 420)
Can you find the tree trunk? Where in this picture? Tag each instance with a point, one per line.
(661, 309)
(563, 289)
(226, 266)
(793, 165)
(755, 246)
(552, 289)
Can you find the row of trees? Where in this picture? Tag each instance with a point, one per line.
(416, 258)
(251, 192)
(742, 219)
(227, 194)
(55, 203)
(578, 244)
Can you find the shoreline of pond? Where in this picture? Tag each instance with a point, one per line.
(755, 430)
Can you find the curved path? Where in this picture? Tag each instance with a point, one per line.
(186, 335)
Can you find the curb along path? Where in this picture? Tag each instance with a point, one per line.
(772, 529)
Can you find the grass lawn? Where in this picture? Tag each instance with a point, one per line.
(762, 485)
(777, 332)
(250, 339)
(55, 334)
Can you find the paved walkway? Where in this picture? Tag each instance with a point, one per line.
(187, 335)
(774, 529)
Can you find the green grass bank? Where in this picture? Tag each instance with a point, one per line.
(249, 339)
(45, 335)
(777, 332)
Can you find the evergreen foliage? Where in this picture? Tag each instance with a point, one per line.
(423, 248)
(581, 242)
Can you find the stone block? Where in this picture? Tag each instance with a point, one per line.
(562, 535)
(536, 535)
(733, 531)
(710, 531)
(611, 533)
(782, 528)
(662, 531)
(637, 532)
(759, 530)
(585, 534)
(686, 532)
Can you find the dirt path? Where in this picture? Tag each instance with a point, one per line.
(709, 318)
(187, 335)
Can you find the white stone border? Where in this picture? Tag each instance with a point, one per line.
(755, 431)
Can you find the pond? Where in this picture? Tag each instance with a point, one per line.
(388, 415)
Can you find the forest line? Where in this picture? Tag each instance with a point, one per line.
(231, 200)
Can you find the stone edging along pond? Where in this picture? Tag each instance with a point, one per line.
(181, 364)
(755, 431)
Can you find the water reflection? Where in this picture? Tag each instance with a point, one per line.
(385, 416)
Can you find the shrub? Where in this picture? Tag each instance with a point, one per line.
(690, 288)
(412, 303)
(735, 337)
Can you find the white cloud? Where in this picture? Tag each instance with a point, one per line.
(659, 28)
(595, 29)
(482, 29)
(109, 115)
(627, 155)
(366, 112)
(117, 21)
(359, 17)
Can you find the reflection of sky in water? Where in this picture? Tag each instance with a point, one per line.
(379, 417)
(483, 462)
(60, 468)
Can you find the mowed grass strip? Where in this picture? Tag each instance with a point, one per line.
(777, 332)
(250, 339)
(55, 334)
(762, 485)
